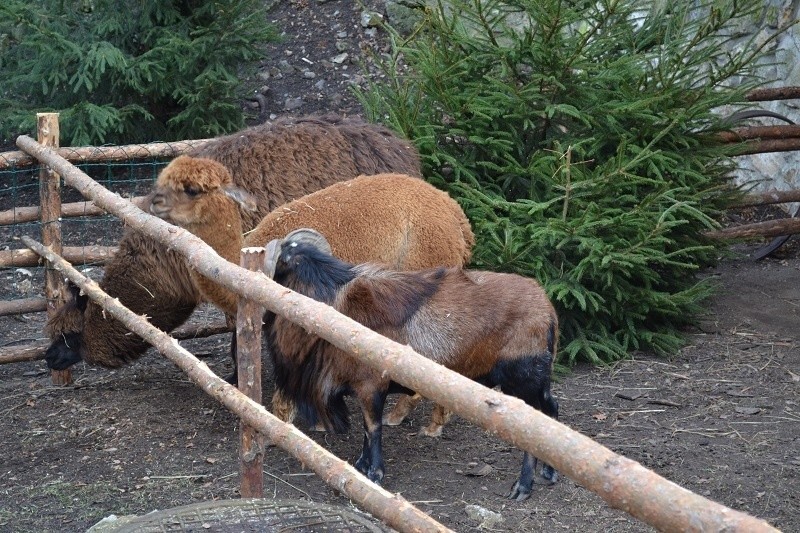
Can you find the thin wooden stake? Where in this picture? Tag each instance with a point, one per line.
(249, 317)
(50, 201)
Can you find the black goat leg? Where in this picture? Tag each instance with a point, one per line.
(371, 462)
(524, 485)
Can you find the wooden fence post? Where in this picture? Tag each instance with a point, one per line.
(249, 317)
(50, 201)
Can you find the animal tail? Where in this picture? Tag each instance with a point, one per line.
(330, 411)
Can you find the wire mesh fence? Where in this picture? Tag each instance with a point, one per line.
(88, 237)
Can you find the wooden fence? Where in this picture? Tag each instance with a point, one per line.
(623, 483)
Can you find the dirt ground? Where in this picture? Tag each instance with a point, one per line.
(720, 418)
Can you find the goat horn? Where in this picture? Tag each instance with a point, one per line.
(310, 236)
(273, 250)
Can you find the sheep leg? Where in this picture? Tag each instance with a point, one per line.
(550, 408)
(402, 408)
(371, 462)
(439, 417)
(524, 485)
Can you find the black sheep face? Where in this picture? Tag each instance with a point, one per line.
(66, 330)
(65, 351)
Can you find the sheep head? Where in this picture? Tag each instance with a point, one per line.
(196, 190)
(65, 328)
(275, 247)
(198, 194)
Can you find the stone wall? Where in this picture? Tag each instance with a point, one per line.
(778, 170)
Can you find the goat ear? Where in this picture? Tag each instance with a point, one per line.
(80, 299)
(241, 197)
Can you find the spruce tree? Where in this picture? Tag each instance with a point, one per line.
(579, 138)
(125, 72)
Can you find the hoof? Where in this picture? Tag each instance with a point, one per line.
(549, 474)
(362, 465)
(433, 431)
(393, 419)
(375, 475)
(519, 493)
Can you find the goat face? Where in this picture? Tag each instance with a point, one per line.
(64, 351)
(306, 269)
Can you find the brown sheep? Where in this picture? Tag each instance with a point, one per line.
(498, 329)
(397, 220)
(275, 163)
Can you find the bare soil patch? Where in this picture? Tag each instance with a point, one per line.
(720, 418)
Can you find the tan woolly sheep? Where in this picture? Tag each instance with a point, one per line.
(392, 219)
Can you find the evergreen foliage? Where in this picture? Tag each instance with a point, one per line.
(578, 138)
(123, 72)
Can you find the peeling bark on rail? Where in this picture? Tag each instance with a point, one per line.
(771, 197)
(769, 228)
(788, 131)
(94, 154)
(19, 215)
(622, 483)
(23, 305)
(73, 254)
(773, 93)
(391, 508)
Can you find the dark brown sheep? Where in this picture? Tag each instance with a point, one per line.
(275, 163)
(393, 219)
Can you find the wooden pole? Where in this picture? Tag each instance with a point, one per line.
(19, 354)
(35, 351)
(769, 145)
(19, 215)
(23, 305)
(73, 254)
(771, 197)
(391, 508)
(784, 131)
(773, 93)
(249, 318)
(770, 228)
(50, 202)
(622, 483)
(96, 154)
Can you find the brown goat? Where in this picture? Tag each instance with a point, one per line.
(275, 163)
(393, 219)
(498, 329)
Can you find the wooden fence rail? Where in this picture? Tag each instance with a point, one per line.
(95, 154)
(19, 215)
(622, 483)
(35, 351)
